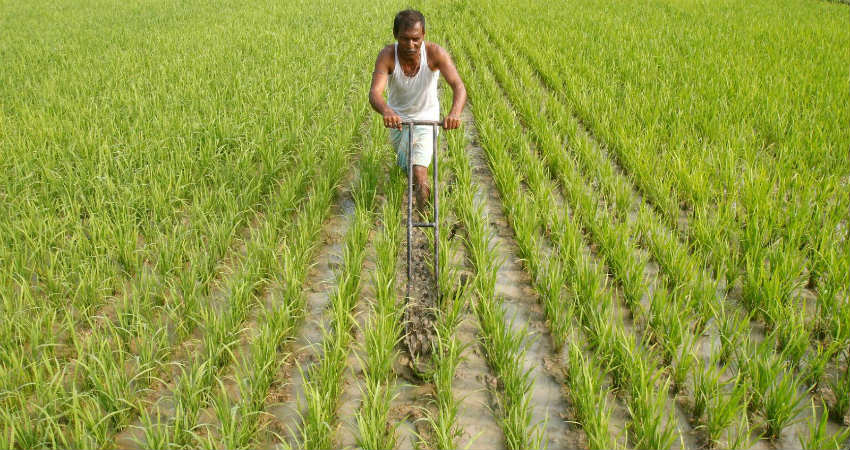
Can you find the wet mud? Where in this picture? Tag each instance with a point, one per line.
(522, 308)
(420, 307)
(285, 416)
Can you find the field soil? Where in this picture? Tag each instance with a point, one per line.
(420, 308)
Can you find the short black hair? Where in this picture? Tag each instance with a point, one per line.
(406, 20)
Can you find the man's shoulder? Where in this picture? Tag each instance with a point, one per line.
(436, 53)
(386, 57)
(387, 51)
(434, 49)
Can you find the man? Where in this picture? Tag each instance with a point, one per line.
(412, 67)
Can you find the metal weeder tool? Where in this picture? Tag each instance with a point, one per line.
(410, 223)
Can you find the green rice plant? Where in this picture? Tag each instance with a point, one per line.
(113, 388)
(90, 425)
(589, 398)
(672, 334)
(818, 435)
(155, 431)
(519, 418)
(189, 398)
(236, 426)
(760, 369)
(650, 426)
(448, 355)
(651, 420)
(723, 408)
(817, 362)
(22, 430)
(840, 386)
(731, 329)
(781, 404)
(558, 316)
(373, 422)
(792, 334)
(321, 394)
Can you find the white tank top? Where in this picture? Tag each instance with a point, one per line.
(414, 98)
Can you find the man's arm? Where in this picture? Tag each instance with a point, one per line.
(449, 71)
(376, 92)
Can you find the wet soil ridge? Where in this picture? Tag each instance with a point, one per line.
(420, 308)
(542, 395)
(180, 409)
(322, 378)
(369, 404)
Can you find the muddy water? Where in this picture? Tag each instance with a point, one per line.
(522, 308)
(352, 393)
(473, 385)
(419, 312)
(473, 388)
(306, 347)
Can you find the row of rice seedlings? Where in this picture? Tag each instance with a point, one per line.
(220, 323)
(664, 318)
(132, 340)
(448, 349)
(448, 353)
(383, 329)
(709, 230)
(630, 366)
(325, 378)
(503, 346)
(239, 422)
(720, 404)
(145, 342)
(682, 273)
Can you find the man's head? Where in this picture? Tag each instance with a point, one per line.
(409, 31)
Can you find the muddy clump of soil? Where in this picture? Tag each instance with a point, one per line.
(420, 308)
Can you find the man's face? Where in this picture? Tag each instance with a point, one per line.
(410, 40)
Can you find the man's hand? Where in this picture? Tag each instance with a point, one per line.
(451, 122)
(392, 120)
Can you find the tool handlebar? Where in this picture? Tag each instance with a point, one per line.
(422, 122)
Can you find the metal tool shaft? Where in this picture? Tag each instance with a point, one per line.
(410, 223)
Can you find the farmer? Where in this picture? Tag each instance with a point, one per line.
(412, 67)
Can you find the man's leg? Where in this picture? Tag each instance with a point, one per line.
(420, 185)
